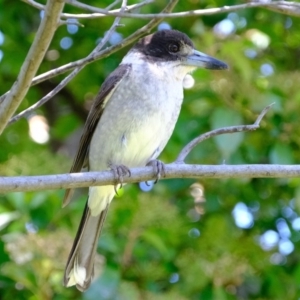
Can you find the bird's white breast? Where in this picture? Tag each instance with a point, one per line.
(140, 117)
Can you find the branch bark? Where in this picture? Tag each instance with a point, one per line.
(175, 170)
(32, 62)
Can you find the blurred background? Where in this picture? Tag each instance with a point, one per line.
(183, 239)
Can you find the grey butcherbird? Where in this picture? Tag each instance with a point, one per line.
(129, 124)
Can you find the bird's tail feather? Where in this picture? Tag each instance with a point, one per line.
(80, 266)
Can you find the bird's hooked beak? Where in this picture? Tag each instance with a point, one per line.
(200, 60)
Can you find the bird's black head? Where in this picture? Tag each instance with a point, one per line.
(166, 45)
(175, 46)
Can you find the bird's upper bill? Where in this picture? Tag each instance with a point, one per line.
(200, 60)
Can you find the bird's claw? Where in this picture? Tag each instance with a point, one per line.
(158, 167)
(119, 172)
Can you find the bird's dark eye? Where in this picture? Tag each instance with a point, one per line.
(173, 48)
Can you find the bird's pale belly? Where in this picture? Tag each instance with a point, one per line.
(139, 146)
(134, 143)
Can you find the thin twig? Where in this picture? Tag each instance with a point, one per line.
(263, 113)
(82, 5)
(286, 8)
(34, 4)
(25, 113)
(70, 22)
(97, 12)
(94, 53)
(108, 8)
(231, 129)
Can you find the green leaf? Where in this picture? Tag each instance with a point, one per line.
(156, 241)
(227, 143)
(281, 154)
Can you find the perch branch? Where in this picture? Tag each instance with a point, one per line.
(77, 180)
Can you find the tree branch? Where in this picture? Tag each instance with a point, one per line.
(174, 170)
(32, 62)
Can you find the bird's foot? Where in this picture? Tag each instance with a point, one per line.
(158, 167)
(119, 172)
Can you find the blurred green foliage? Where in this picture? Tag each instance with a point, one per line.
(182, 240)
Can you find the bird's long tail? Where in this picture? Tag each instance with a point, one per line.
(80, 266)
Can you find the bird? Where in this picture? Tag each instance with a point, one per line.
(129, 124)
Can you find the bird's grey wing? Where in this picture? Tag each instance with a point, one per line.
(107, 89)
